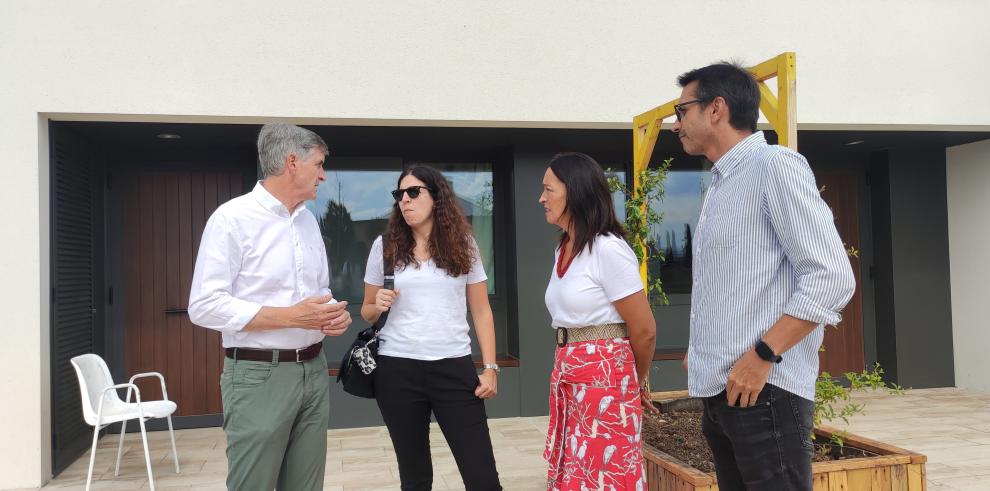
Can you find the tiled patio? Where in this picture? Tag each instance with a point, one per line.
(950, 426)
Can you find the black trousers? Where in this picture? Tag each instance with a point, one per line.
(766, 446)
(407, 392)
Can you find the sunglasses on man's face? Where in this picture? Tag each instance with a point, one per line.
(412, 191)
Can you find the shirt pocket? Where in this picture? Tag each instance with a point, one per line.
(722, 232)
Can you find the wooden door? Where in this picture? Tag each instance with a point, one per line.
(844, 349)
(164, 213)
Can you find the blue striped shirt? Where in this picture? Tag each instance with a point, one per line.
(765, 246)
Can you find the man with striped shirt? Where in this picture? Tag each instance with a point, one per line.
(769, 273)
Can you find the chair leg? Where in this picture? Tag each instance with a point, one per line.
(147, 456)
(171, 433)
(92, 456)
(120, 448)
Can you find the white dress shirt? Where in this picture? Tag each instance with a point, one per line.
(255, 253)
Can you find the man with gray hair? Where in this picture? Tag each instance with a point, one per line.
(262, 280)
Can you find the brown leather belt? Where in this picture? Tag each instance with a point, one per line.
(284, 355)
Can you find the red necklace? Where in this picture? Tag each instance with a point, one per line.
(563, 264)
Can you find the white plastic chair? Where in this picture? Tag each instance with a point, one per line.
(102, 406)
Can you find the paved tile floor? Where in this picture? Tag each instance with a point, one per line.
(950, 426)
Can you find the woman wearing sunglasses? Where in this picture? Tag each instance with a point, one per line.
(424, 357)
(605, 336)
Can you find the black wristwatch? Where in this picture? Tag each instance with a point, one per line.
(764, 351)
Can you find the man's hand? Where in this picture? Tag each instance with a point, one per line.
(339, 321)
(487, 385)
(316, 313)
(746, 379)
(684, 363)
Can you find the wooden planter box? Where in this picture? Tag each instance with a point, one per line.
(893, 469)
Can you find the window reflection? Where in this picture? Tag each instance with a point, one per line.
(674, 237)
(353, 205)
(472, 184)
(685, 190)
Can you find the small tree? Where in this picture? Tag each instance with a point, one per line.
(642, 216)
(688, 244)
(832, 398)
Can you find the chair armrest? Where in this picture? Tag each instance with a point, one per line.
(152, 374)
(122, 386)
(129, 386)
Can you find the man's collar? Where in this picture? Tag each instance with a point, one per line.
(269, 201)
(738, 152)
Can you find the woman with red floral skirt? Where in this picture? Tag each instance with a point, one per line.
(605, 336)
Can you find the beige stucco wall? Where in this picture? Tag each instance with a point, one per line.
(512, 63)
(967, 170)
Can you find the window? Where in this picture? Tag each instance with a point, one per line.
(618, 197)
(685, 191)
(472, 183)
(353, 205)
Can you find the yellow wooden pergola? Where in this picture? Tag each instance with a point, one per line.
(779, 109)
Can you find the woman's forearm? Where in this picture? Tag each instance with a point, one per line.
(370, 313)
(484, 321)
(644, 347)
(638, 316)
(484, 329)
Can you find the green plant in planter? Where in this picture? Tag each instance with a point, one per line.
(642, 216)
(832, 397)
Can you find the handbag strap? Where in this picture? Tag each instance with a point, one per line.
(389, 270)
(388, 266)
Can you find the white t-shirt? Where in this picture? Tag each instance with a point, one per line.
(428, 320)
(584, 296)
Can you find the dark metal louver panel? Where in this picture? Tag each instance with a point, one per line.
(73, 302)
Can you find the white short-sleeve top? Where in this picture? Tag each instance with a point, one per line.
(596, 278)
(428, 320)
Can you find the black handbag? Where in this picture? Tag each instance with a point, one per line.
(360, 360)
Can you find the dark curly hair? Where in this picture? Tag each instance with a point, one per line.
(451, 244)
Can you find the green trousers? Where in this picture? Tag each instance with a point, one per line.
(275, 415)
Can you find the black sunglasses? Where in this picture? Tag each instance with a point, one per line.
(679, 108)
(413, 192)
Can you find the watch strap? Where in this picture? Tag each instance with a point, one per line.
(765, 352)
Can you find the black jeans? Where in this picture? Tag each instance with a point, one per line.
(767, 446)
(407, 391)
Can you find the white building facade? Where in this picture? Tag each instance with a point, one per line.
(880, 68)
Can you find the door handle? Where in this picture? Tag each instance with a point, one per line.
(176, 311)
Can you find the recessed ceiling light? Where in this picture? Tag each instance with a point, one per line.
(168, 136)
(854, 142)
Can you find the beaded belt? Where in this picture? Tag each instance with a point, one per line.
(590, 333)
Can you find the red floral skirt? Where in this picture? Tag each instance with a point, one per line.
(593, 442)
